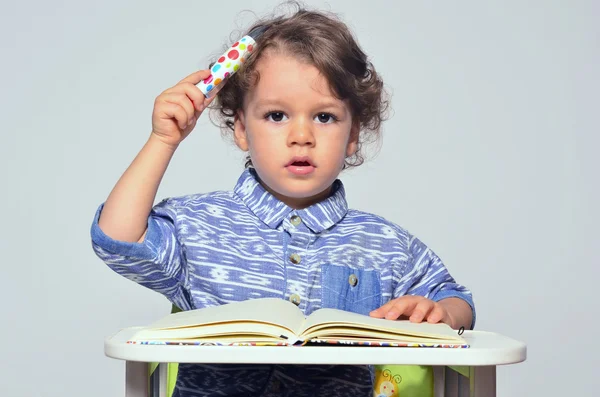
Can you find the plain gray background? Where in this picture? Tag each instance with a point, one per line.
(489, 157)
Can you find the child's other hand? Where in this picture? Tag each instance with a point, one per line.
(177, 109)
(415, 308)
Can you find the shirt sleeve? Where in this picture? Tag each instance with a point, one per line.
(156, 263)
(427, 276)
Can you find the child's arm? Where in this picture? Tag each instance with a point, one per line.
(125, 213)
(425, 291)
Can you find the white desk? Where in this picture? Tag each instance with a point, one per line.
(477, 379)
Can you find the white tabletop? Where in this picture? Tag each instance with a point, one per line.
(487, 348)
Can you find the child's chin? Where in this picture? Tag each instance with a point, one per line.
(303, 194)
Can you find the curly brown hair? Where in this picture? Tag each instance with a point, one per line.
(325, 42)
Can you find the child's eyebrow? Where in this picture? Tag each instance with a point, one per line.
(268, 102)
(331, 103)
(327, 103)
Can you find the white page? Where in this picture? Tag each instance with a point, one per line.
(267, 310)
(231, 329)
(362, 334)
(323, 318)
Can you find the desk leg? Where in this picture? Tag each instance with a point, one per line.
(439, 381)
(464, 381)
(483, 381)
(162, 375)
(451, 382)
(136, 379)
(158, 381)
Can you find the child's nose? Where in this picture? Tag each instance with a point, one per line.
(301, 134)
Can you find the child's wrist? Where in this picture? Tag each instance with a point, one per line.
(156, 140)
(458, 312)
(450, 320)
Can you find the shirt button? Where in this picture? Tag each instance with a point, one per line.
(353, 280)
(295, 258)
(295, 299)
(295, 220)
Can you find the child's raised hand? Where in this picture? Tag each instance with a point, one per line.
(177, 109)
(415, 308)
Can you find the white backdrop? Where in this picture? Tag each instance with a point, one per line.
(489, 157)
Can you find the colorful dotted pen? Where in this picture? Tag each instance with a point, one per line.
(230, 61)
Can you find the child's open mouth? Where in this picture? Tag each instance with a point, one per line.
(300, 166)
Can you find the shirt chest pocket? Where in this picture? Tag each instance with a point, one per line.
(353, 290)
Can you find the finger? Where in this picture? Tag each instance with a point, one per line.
(194, 94)
(395, 308)
(381, 311)
(402, 306)
(436, 315)
(175, 112)
(183, 101)
(421, 310)
(196, 77)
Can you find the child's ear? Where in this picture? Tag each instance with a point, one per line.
(239, 131)
(352, 146)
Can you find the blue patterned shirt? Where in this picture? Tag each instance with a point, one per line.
(209, 249)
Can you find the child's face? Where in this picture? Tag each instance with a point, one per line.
(297, 132)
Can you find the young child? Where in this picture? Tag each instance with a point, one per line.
(301, 106)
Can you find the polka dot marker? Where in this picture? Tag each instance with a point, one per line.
(228, 64)
(233, 54)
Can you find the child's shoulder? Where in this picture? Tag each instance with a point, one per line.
(190, 201)
(374, 222)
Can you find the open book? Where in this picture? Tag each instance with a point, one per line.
(277, 322)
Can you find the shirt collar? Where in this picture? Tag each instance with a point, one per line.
(272, 211)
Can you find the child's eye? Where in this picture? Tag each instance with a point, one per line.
(325, 118)
(276, 117)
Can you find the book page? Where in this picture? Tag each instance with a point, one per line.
(373, 335)
(274, 311)
(250, 329)
(238, 340)
(319, 321)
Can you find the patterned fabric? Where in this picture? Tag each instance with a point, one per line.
(209, 249)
